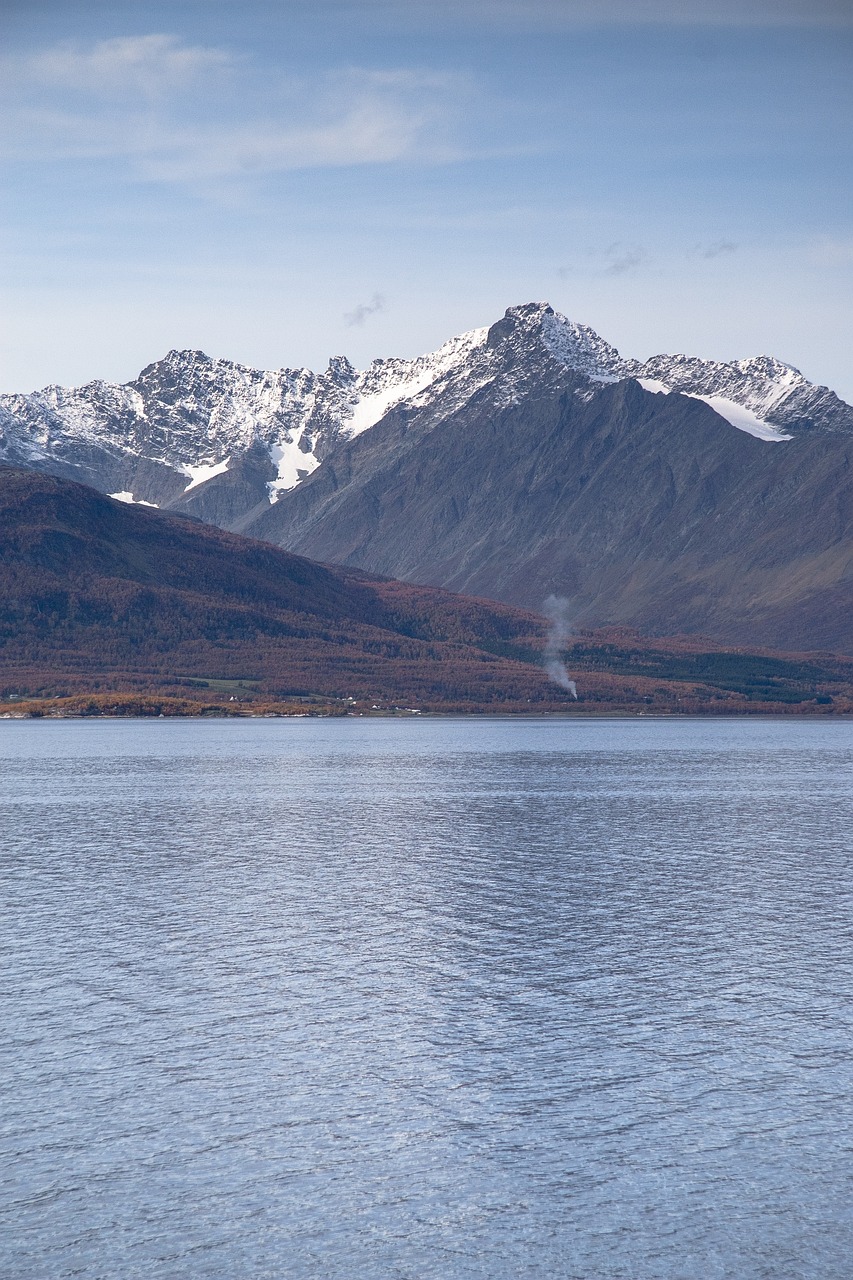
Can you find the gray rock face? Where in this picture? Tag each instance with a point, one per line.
(640, 509)
(518, 461)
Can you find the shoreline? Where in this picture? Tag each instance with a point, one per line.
(621, 714)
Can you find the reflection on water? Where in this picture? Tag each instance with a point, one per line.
(442, 998)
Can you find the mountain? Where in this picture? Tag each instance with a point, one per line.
(162, 439)
(517, 461)
(97, 594)
(189, 419)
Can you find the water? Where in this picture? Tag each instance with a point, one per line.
(447, 998)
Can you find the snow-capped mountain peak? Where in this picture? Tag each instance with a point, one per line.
(189, 420)
(580, 347)
(766, 393)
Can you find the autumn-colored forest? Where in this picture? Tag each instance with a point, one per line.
(110, 608)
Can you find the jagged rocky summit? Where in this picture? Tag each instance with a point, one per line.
(516, 461)
(189, 418)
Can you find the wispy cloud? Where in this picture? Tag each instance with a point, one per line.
(181, 113)
(716, 249)
(622, 258)
(122, 67)
(358, 315)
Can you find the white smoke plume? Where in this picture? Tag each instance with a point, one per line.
(556, 610)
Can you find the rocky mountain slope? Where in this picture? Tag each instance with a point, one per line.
(638, 508)
(517, 461)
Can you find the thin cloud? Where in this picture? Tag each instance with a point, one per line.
(181, 113)
(357, 317)
(717, 249)
(150, 65)
(623, 258)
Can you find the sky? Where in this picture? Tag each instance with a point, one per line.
(278, 183)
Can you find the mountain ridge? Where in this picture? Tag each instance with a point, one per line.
(521, 460)
(189, 417)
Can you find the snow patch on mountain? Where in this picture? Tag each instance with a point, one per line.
(124, 495)
(742, 418)
(204, 471)
(735, 414)
(292, 466)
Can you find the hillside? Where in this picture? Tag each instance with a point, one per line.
(117, 609)
(100, 595)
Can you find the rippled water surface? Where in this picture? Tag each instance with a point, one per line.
(447, 998)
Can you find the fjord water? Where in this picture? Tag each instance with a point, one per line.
(436, 998)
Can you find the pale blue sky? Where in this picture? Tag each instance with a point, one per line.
(280, 182)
